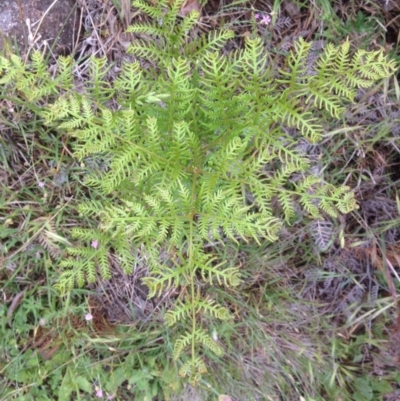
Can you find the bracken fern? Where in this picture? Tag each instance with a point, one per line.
(196, 152)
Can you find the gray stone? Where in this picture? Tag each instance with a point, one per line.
(47, 22)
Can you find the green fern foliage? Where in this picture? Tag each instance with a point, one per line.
(200, 148)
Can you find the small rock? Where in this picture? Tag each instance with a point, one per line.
(45, 24)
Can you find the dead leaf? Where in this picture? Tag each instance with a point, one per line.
(224, 397)
(188, 6)
(15, 302)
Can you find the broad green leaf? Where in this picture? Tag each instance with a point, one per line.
(67, 386)
(83, 384)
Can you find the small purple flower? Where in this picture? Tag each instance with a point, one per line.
(95, 244)
(265, 18)
(99, 393)
(88, 317)
(41, 184)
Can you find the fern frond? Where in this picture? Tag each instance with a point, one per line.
(7, 74)
(212, 43)
(294, 116)
(143, 49)
(67, 281)
(39, 65)
(125, 254)
(99, 88)
(155, 12)
(91, 208)
(186, 369)
(171, 17)
(103, 264)
(229, 277)
(163, 278)
(296, 63)
(324, 100)
(373, 65)
(80, 272)
(321, 231)
(310, 207)
(185, 27)
(148, 29)
(203, 338)
(287, 204)
(181, 343)
(256, 77)
(179, 313)
(210, 307)
(194, 369)
(65, 77)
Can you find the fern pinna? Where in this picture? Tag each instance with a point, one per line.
(198, 149)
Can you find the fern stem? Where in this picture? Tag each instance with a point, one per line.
(191, 261)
